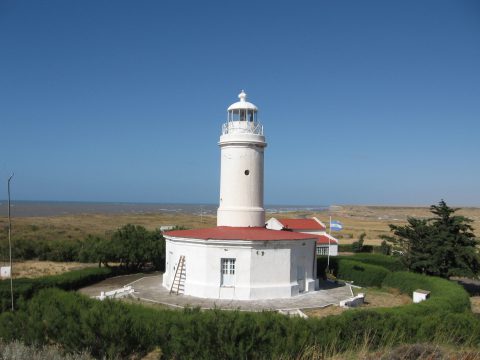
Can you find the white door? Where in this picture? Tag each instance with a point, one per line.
(301, 278)
(228, 272)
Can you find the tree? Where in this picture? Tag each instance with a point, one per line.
(443, 245)
(357, 246)
(134, 247)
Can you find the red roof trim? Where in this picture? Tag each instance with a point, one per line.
(239, 233)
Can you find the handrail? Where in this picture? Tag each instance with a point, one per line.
(242, 127)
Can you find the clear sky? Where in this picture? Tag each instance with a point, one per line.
(363, 102)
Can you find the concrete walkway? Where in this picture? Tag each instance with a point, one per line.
(149, 288)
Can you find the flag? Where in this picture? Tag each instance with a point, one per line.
(336, 225)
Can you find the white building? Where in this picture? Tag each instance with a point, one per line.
(240, 258)
(326, 243)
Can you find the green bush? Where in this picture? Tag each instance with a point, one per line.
(114, 329)
(363, 269)
(134, 247)
(385, 248)
(364, 249)
(24, 289)
(389, 262)
(445, 295)
(360, 273)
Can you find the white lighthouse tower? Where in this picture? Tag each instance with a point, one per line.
(242, 145)
(240, 258)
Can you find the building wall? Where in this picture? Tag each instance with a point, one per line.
(262, 269)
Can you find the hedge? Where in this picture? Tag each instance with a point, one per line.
(361, 273)
(445, 295)
(392, 263)
(365, 248)
(114, 329)
(24, 289)
(346, 268)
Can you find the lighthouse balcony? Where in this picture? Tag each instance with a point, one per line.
(242, 127)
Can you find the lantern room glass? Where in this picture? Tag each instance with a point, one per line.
(242, 115)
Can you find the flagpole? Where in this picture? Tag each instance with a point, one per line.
(328, 251)
(10, 239)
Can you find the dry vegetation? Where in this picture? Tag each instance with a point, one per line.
(374, 297)
(475, 301)
(373, 220)
(33, 269)
(79, 226)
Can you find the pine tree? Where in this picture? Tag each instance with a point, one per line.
(444, 245)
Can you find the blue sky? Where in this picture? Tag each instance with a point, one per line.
(363, 102)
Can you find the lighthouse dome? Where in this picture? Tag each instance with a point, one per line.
(242, 104)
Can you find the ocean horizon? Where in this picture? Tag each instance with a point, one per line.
(28, 208)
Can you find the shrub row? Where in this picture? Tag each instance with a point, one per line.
(24, 289)
(51, 250)
(362, 269)
(364, 248)
(445, 295)
(113, 329)
(360, 273)
(392, 263)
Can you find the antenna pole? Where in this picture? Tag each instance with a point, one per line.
(10, 240)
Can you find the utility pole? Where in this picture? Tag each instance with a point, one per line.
(10, 239)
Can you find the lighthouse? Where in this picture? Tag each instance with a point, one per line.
(242, 145)
(240, 258)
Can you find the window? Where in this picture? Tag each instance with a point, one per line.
(322, 250)
(250, 115)
(228, 272)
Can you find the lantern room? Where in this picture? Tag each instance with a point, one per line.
(242, 117)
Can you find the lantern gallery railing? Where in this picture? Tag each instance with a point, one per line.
(242, 127)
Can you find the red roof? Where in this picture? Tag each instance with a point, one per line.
(239, 233)
(323, 239)
(301, 224)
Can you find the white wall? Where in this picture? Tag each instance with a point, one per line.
(274, 224)
(264, 269)
(241, 195)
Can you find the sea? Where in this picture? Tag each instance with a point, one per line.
(56, 208)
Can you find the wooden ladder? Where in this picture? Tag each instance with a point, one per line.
(179, 276)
